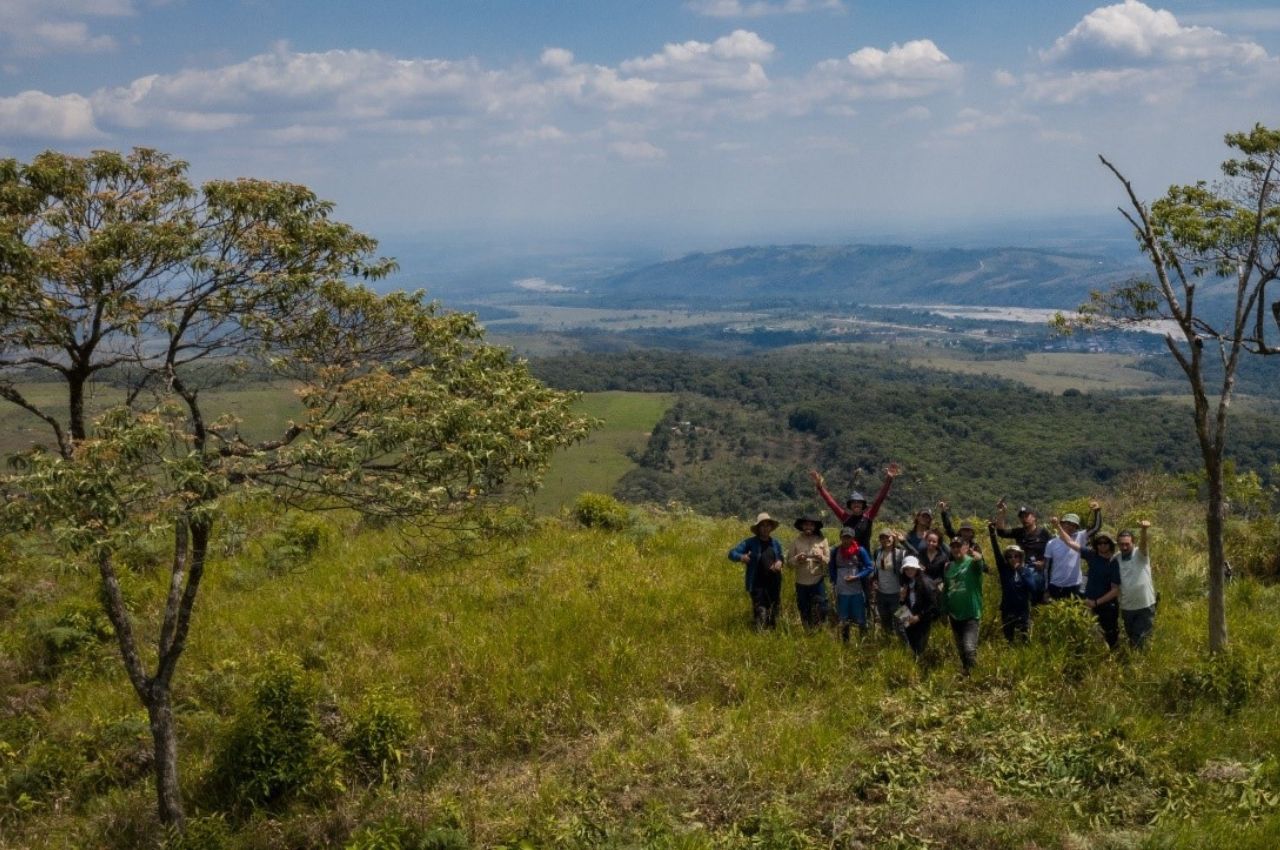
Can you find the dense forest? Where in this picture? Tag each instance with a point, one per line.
(745, 431)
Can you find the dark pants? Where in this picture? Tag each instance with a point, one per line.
(1109, 621)
(1056, 592)
(1016, 625)
(917, 637)
(886, 604)
(965, 633)
(811, 599)
(1138, 625)
(766, 596)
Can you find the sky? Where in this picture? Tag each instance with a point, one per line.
(691, 121)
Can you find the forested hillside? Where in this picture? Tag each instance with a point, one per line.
(745, 431)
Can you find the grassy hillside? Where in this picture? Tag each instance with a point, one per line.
(582, 689)
(600, 461)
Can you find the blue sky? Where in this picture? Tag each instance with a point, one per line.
(711, 120)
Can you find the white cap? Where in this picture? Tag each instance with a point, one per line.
(911, 561)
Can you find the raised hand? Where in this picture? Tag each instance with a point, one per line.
(943, 507)
(1144, 523)
(816, 477)
(1001, 506)
(893, 470)
(1094, 504)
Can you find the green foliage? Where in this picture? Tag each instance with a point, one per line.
(596, 510)
(64, 636)
(299, 537)
(378, 733)
(274, 747)
(394, 833)
(724, 450)
(1225, 682)
(1067, 635)
(209, 832)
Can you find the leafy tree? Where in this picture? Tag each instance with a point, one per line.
(1207, 240)
(117, 265)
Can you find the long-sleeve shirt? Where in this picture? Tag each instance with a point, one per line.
(861, 525)
(1017, 585)
(809, 554)
(764, 554)
(934, 564)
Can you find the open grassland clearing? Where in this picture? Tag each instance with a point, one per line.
(1051, 371)
(553, 318)
(585, 689)
(597, 463)
(262, 409)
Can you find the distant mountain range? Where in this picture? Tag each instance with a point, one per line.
(866, 274)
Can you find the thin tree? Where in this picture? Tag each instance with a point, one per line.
(120, 279)
(1214, 251)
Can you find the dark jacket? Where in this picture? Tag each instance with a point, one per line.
(1018, 587)
(925, 603)
(760, 558)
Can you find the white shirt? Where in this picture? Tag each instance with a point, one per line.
(1136, 589)
(1066, 561)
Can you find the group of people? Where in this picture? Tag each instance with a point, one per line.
(909, 581)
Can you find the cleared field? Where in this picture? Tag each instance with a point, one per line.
(597, 463)
(261, 408)
(566, 318)
(1053, 371)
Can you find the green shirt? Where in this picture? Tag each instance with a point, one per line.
(962, 584)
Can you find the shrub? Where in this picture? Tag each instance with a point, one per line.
(202, 833)
(380, 729)
(68, 634)
(274, 748)
(1225, 681)
(394, 833)
(596, 510)
(1069, 637)
(295, 542)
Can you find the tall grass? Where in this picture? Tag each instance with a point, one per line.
(588, 688)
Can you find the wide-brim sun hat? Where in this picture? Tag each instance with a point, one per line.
(911, 562)
(856, 496)
(1074, 519)
(1013, 547)
(1101, 537)
(809, 518)
(762, 518)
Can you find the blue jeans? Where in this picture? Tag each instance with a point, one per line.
(1138, 625)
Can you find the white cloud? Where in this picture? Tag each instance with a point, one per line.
(914, 69)
(38, 27)
(638, 151)
(34, 114)
(1003, 78)
(1134, 51)
(1132, 33)
(761, 8)
(557, 57)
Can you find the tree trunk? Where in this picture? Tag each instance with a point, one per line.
(1217, 559)
(75, 406)
(165, 739)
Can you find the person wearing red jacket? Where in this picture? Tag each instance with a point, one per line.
(855, 512)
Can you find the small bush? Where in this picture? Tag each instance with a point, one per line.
(380, 729)
(394, 833)
(596, 510)
(295, 542)
(68, 635)
(1225, 681)
(274, 748)
(1069, 637)
(202, 833)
